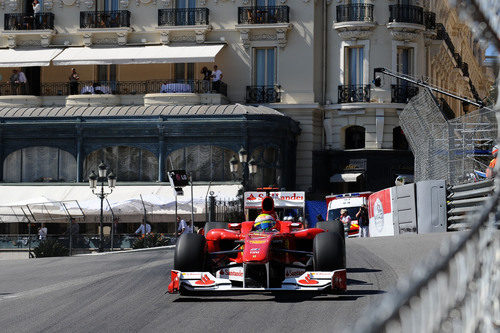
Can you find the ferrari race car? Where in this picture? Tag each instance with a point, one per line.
(234, 257)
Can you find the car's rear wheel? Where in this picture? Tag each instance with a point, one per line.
(328, 252)
(189, 253)
(214, 225)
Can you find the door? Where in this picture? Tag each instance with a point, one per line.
(33, 78)
(354, 75)
(265, 67)
(185, 14)
(106, 77)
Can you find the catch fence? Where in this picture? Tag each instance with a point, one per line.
(450, 149)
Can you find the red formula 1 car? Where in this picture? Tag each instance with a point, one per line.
(236, 258)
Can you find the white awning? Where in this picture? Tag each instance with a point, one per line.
(125, 200)
(27, 57)
(137, 55)
(345, 177)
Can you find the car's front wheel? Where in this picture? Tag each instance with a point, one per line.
(189, 253)
(328, 252)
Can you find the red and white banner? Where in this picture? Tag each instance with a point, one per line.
(281, 199)
(380, 214)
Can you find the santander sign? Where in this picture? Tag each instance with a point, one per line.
(281, 199)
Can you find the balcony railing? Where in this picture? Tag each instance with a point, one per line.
(183, 16)
(406, 14)
(105, 19)
(402, 93)
(355, 12)
(132, 87)
(353, 93)
(23, 21)
(263, 15)
(430, 20)
(263, 94)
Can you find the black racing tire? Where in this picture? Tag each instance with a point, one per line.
(328, 252)
(332, 226)
(214, 225)
(189, 253)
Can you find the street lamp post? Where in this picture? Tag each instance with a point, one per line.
(101, 194)
(251, 170)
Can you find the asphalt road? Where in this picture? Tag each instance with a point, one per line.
(126, 293)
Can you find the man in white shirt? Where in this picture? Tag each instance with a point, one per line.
(144, 228)
(216, 78)
(37, 11)
(42, 232)
(23, 83)
(184, 228)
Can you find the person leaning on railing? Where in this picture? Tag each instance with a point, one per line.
(73, 82)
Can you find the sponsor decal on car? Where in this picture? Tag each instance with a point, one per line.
(232, 273)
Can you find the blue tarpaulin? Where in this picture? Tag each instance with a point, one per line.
(313, 209)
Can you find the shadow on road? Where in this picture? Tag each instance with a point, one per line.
(281, 297)
(362, 270)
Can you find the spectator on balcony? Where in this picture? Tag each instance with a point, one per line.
(14, 82)
(37, 13)
(23, 83)
(216, 79)
(73, 82)
(207, 75)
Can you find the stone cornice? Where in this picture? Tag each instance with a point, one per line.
(249, 32)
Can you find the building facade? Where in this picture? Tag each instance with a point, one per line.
(311, 61)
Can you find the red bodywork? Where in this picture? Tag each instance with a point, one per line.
(286, 252)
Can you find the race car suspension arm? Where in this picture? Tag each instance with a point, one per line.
(305, 253)
(224, 252)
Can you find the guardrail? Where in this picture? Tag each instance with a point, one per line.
(464, 199)
(456, 290)
(182, 16)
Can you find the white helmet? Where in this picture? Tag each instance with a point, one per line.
(494, 150)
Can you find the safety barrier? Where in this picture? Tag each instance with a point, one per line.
(464, 199)
(456, 290)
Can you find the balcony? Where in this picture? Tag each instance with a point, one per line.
(183, 16)
(24, 21)
(354, 21)
(109, 93)
(263, 94)
(263, 15)
(406, 14)
(355, 12)
(354, 93)
(105, 19)
(402, 93)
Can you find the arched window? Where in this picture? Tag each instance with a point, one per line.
(269, 168)
(399, 139)
(39, 164)
(128, 163)
(206, 163)
(355, 137)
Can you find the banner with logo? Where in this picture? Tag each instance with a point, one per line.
(281, 199)
(380, 214)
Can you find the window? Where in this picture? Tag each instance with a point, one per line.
(269, 169)
(107, 5)
(184, 72)
(106, 75)
(206, 163)
(354, 66)
(399, 139)
(263, 3)
(39, 164)
(265, 66)
(355, 137)
(184, 16)
(128, 163)
(405, 60)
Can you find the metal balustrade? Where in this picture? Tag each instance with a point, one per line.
(406, 14)
(263, 14)
(353, 93)
(183, 16)
(25, 21)
(128, 87)
(355, 12)
(263, 94)
(105, 19)
(402, 93)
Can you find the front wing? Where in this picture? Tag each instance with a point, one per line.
(309, 281)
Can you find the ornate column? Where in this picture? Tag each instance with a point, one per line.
(79, 153)
(161, 153)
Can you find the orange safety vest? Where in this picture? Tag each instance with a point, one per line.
(489, 170)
